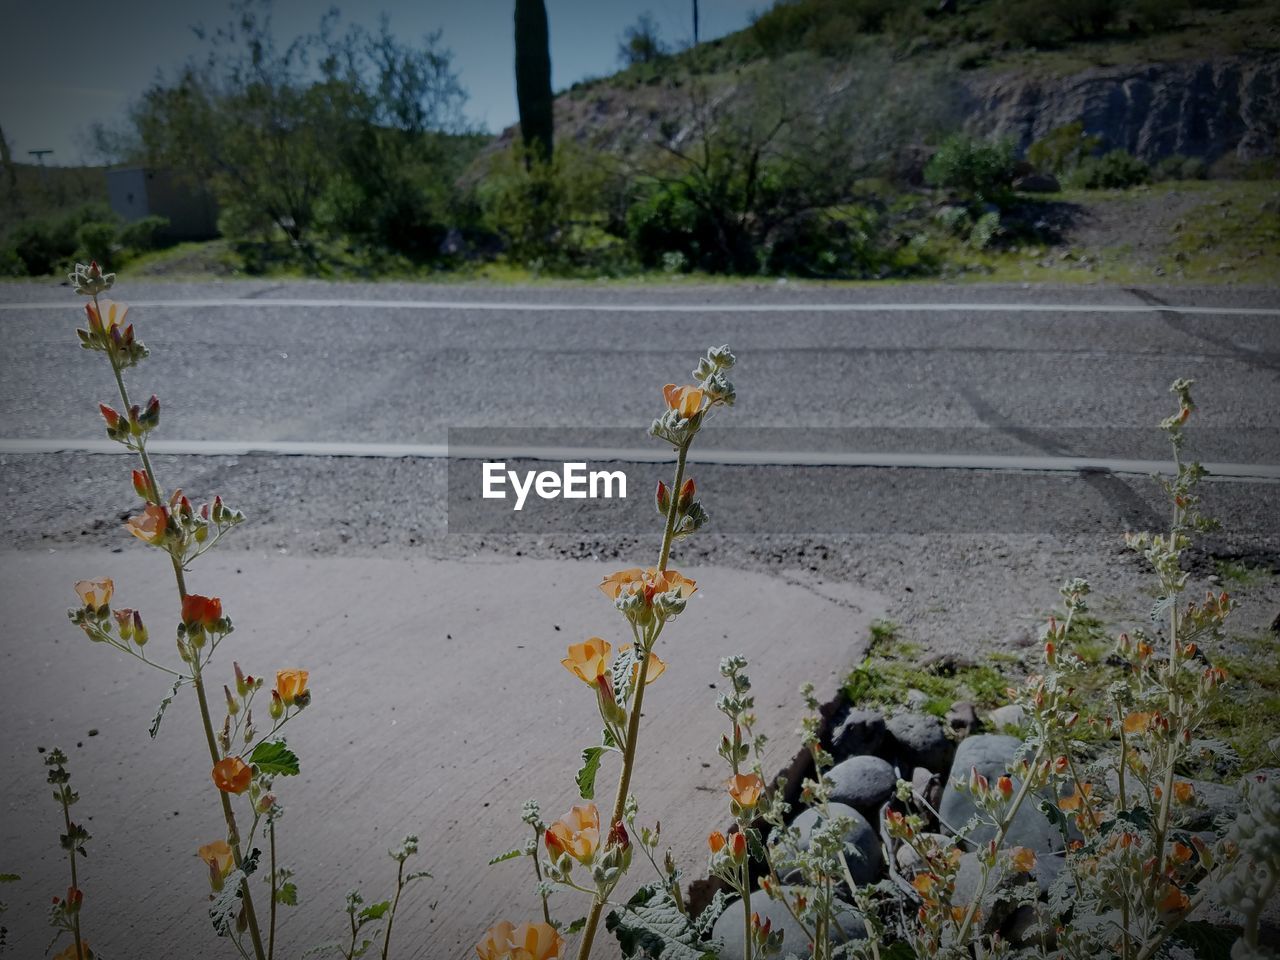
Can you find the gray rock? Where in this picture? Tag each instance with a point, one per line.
(862, 846)
(729, 925)
(927, 785)
(992, 755)
(863, 783)
(909, 862)
(1007, 716)
(1037, 183)
(920, 740)
(860, 732)
(916, 699)
(963, 718)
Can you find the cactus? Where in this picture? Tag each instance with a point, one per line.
(533, 78)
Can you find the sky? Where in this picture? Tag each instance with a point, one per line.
(67, 63)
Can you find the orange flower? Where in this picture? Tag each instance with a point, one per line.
(291, 684)
(924, 884)
(95, 593)
(1136, 722)
(1005, 786)
(1023, 859)
(529, 941)
(232, 775)
(70, 952)
(649, 582)
(150, 525)
(715, 841)
(219, 859)
(201, 611)
(1183, 792)
(687, 401)
(1174, 900)
(745, 789)
(1076, 800)
(1180, 854)
(738, 846)
(588, 661)
(577, 833)
(656, 667)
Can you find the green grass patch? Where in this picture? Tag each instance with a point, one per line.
(893, 667)
(1247, 714)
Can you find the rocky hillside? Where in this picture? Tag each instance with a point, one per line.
(1209, 88)
(1201, 108)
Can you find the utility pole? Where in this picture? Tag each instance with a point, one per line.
(40, 155)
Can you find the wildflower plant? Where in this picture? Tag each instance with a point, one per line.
(247, 752)
(583, 851)
(64, 912)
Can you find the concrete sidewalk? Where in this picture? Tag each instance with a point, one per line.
(439, 708)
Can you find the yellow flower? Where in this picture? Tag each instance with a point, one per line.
(685, 400)
(217, 855)
(106, 315)
(588, 661)
(577, 833)
(291, 684)
(70, 952)
(150, 525)
(1136, 723)
(745, 789)
(648, 582)
(1023, 859)
(656, 667)
(529, 941)
(95, 593)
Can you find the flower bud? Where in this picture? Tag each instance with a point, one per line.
(662, 499)
(242, 683)
(1005, 786)
(233, 705)
(124, 622)
(716, 841)
(150, 418)
(738, 847)
(686, 495)
(276, 710)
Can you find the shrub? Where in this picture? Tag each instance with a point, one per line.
(1177, 167)
(1114, 170)
(1087, 19)
(1028, 23)
(975, 169)
(97, 241)
(1063, 148)
(142, 235)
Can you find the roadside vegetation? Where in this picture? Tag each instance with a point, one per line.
(770, 152)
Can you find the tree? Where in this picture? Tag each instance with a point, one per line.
(533, 79)
(641, 42)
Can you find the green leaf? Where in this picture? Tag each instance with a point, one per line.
(651, 925)
(609, 740)
(374, 911)
(155, 721)
(587, 775)
(576, 927)
(9, 878)
(509, 855)
(273, 757)
(621, 676)
(711, 913)
(287, 893)
(226, 905)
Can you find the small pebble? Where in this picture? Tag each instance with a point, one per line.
(93, 732)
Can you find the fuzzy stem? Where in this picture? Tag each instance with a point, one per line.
(233, 833)
(633, 723)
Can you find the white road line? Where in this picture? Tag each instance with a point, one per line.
(488, 306)
(789, 458)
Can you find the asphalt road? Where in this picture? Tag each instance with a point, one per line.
(961, 559)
